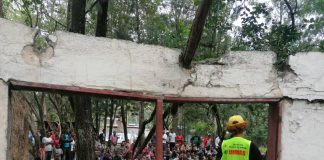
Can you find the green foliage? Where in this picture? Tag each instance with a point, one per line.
(282, 39)
(321, 46)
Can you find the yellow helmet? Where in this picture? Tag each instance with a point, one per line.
(235, 120)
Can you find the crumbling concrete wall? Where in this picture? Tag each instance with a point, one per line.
(121, 65)
(4, 98)
(302, 130)
(306, 78)
(78, 60)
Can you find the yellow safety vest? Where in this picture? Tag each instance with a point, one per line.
(236, 148)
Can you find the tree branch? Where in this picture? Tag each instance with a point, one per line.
(94, 3)
(291, 13)
(195, 34)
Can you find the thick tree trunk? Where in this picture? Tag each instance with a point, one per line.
(124, 119)
(18, 145)
(84, 129)
(78, 16)
(195, 34)
(81, 103)
(101, 27)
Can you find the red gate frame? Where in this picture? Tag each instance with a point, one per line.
(274, 114)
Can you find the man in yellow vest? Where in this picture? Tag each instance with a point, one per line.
(237, 147)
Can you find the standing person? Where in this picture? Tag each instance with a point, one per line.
(102, 136)
(164, 141)
(73, 143)
(237, 147)
(113, 138)
(206, 141)
(41, 152)
(172, 137)
(48, 142)
(217, 141)
(179, 139)
(66, 141)
(58, 152)
(195, 140)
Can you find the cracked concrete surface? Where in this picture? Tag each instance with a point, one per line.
(302, 130)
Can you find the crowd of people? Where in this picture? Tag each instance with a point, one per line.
(175, 146)
(57, 147)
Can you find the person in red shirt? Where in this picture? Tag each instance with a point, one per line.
(179, 139)
(56, 140)
(206, 139)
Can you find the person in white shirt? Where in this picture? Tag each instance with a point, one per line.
(172, 139)
(48, 142)
(164, 141)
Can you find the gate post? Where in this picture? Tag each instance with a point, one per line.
(159, 129)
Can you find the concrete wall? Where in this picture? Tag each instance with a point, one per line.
(121, 65)
(4, 98)
(103, 63)
(302, 130)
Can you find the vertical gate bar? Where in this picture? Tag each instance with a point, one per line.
(159, 129)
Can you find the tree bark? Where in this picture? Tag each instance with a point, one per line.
(195, 34)
(84, 128)
(78, 16)
(102, 14)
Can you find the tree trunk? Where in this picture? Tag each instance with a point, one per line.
(97, 117)
(81, 103)
(84, 129)
(111, 118)
(101, 27)
(106, 116)
(137, 28)
(124, 119)
(174, 113)
(41, 113)
(195, 34)
(140, 122)
(1, 10)
(78, 16)
(18, 144)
